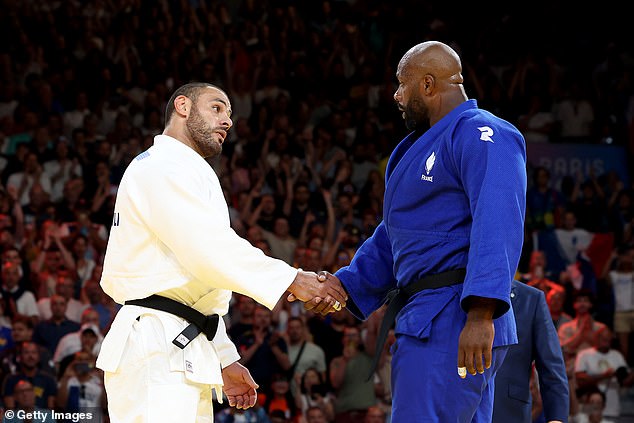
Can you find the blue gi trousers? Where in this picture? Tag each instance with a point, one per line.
(426, 387)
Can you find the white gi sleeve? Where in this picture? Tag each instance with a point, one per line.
(192, 220)
(225, 348)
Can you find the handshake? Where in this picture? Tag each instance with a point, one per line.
(321, 292)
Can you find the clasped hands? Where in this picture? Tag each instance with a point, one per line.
(321, 292)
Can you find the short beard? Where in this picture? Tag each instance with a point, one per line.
(415, 115)
(410, 122)
(202, 135)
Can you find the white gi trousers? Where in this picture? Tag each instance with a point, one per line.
(147, 387)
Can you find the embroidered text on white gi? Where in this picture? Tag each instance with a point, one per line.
(115, 219)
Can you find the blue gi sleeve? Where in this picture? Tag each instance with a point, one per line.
(490, 156)
(369, 276)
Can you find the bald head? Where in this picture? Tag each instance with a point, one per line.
(430, 83)
(434, 58)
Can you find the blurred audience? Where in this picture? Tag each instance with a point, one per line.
(603, 367)
(303, 174)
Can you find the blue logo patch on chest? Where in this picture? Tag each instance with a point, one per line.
(429, 164)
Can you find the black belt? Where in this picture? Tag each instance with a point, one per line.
(198, 322)
(397, 298)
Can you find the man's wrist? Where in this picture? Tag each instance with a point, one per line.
(481, 308)
(295, 283)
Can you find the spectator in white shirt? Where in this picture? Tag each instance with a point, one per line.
(71, 343)
(75, 118)
(82, 377)
(571, 238)
(61, 169)
(65, 286)
(603, 367)
(619, 272)
(31, 174)
(16, 299)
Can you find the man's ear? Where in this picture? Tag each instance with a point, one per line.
(182, 105)
(427, 84)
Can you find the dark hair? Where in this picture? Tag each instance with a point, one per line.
(302, 388)
(295, 319)
(191, 91)
(77, 131)
(80, 236)
(52, 249)
(537, 170)
(279, 377)
(11, 248)
(586, 392)
(23, 319)
(290, 400)
(278, 414)
(301, 184)
(89, 330)
(583, 292)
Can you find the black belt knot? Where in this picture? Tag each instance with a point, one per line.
(397, 299)
(210, 326)
(198, 322)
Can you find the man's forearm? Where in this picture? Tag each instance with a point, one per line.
(281, 357)
(481, 308)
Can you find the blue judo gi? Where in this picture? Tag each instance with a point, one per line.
(455, 198)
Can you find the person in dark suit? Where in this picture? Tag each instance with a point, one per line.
(538, 343)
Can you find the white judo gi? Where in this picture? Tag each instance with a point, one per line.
(171, 236)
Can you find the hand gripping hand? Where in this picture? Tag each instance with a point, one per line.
(332, 296)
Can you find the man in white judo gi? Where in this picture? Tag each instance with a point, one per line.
(173, 261)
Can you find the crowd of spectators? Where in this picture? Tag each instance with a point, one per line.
(83, 86)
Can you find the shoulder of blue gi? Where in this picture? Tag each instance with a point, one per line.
(490, 155)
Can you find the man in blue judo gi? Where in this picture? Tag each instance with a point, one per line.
(448, 246)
